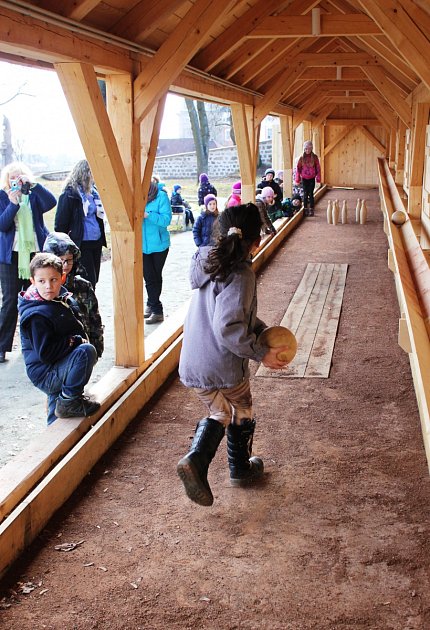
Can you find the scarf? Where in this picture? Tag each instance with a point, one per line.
(100, 212)
(25, 237)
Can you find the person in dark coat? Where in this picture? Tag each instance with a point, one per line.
(176, 199)
(57, 356)
(205, 188)
(203, 227)
(80, 214)
(269, 180)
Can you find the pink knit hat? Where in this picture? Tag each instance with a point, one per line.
(236, 189)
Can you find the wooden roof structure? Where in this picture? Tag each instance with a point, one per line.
(326, 68)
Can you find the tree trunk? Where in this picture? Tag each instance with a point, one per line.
(200, 129)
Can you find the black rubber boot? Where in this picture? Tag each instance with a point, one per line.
(311, 212)
(193, 468)
(243, 467)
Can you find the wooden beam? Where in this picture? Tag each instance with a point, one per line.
(338, 139)
(323, 115)
(403, 32)
(400, 152)
(312, 105)
(232, 37)
(247, 147)
(330, 74)
(126, 246)
(277, 91)
(144, 18)
(416, 169)
(24, 35)
(389, 57)
(301, 26)
(391, 93)
(286, 128)
(174, 54)
(369, 135)
(338, 59)
(383, 109)
(79, 82)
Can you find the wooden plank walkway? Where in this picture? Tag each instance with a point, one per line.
(313, 316)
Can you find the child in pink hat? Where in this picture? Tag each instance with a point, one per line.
(235, 197)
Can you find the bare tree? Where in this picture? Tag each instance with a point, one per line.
(6, 147)
(200, 130)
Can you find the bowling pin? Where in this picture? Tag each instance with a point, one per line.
(357, 210)
(336, 212)
(329, 212)
(344, 215)
(363, 212)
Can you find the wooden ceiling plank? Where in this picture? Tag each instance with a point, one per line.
(269, 62)
(276, 66)
(244, 55)
(338, 59)
(364, 130)
(81, 8)
(176, 52)
(233, 36)
(144, 18)
(301, 26)
(403, 33)
(390, 92)
(79, 82)
(277, 91)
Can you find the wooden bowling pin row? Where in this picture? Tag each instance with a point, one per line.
(335, 214)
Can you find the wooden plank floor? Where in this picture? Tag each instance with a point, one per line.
(313, 316)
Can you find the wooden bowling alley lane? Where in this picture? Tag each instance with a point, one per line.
(313, 316)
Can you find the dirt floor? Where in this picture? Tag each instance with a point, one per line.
(337, 535)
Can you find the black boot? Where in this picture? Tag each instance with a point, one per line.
(193, 468)
(243, 467)
(311, 212)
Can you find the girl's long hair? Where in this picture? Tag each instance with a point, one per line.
(309, 159)
(80, 177)
(231, 250)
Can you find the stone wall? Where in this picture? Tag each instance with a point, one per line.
(223, 162)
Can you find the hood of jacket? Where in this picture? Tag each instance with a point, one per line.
(30, 306)
(198, 276)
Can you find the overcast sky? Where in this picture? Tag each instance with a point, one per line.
(40, 118)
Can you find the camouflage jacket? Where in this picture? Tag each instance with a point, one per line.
(84, 295)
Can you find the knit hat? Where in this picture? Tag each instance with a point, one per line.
(307, 144)
(203, 178)
(269, 170)
(267, 191)
(177, 187)
(236, 189)
(280, 174)
(209, 198)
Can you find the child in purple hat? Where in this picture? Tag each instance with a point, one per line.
(203, 227)
(205, 188)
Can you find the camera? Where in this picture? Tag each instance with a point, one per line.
(25, 188)
(15, 184)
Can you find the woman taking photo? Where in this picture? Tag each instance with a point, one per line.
(22, 233)
(80, 214)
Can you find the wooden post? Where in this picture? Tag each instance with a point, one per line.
(247, 137)
(420, 122)
(392, 153)
(287, 151)
(400, 152)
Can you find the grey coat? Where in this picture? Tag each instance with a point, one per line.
(221, 328)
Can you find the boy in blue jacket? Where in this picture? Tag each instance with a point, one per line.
(58, 358)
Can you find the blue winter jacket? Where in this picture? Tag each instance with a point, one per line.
(202, 230)
(41, 200)
(155, 235)
(46, 329)
(221, 328)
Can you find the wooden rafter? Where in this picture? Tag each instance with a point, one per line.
(390, 59)
(391, 93)
(329, 74)
(312, 106)
(323, 115)
(73, 9)
(338, 59)
(382, 109)
(301, 26)
(271, 71)
(403, 33)
(245, 54)
(176, 52)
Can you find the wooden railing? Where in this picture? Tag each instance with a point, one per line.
(412, 277)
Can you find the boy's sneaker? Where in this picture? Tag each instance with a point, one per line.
(75, 407)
